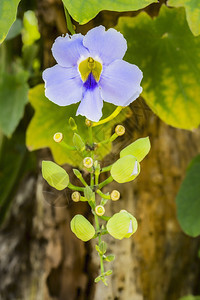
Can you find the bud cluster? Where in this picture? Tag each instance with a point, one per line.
(122, 224)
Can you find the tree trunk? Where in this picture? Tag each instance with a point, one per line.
(41, 259)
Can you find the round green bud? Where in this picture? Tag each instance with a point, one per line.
(82, 228)
(99, 210)
(125, 169)
(76, 196)
(122, 225)
(115, 195)
(58, 137)
(119, 130)
(88, 162)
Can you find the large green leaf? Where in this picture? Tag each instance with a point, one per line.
(84, 10)
(188, 200)
(192, 8)
(8, 11)
(168, 54)
(13, 97)
(50, 118)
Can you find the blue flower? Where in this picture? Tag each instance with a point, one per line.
(90, 69)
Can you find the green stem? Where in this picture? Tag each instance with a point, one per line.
(65, 145)
(111, 139)
(105, 182)
(103, 195)
(75, 188)
(70, 26)
(109, 118)
(106, 169)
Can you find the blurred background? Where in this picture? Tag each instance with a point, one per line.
(40, 258)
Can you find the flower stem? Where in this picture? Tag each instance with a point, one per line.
(75, 188)
(109, 118)
(70, 26)
(106, 169)
(105, 182)
(103, 195)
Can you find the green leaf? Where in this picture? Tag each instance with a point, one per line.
(82, 228)
(139, 149)
(15, 30)
(188, 200)
(84, 10)
(190, 297)
(78, 142)
(168, 54)
(55, 175)
(50, 118)
(13, 97)
(192, 8)
(30, 32)
(8, 11)
(125, 169)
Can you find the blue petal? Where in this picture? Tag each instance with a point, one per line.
(63, 86)
(120, 83)
(68, 50)
(91, 105)
(108, 45)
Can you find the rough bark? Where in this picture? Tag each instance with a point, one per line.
(42, 260)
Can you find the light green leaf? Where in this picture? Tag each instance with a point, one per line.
(188, 200)
(15, 30)
(192, 8)
(50, 118)
(125, 169)
(84, 10)
(8, 11)
(168, 54)
(190, 297)
(82, 228)
(55, 175)
(30, 32)
(13, 97)
(139, 149)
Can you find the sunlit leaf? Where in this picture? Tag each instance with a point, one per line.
(13, 97)
(140, 148)
(8, 11)
(188, 200)
(30, 32)
(192, 8)
(169, 56)
(55, 175)
(190, 297)
(84, 10)
(50, 118)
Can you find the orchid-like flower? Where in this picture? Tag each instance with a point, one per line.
(90, 69)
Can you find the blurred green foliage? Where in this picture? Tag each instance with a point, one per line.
(192, 8)
(168, 54)
(188, 200)
(8, 11)
(84, 10)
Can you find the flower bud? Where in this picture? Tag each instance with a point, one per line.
(78, 142)
(99, 210)
(125, 169)
(140, 148)
(82, 228)
(88, 162)
(119, 130)
(72, 124)
(58, 137)
(76, 196)
(122, 225)
(115, 195)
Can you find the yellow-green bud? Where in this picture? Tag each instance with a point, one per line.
(76, 196)
(115, 195)
(119, 130)
(72, 124)
(122, 225)
(78, 142)
(58, 137)
(140, 148)
(82, 228)
(99, 210)
(88, 162)
(125, 169)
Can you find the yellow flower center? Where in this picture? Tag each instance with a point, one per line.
(88, 66)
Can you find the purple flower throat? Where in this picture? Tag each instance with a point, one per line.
(90, 83)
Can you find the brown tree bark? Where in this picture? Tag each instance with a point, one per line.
(41, 259)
